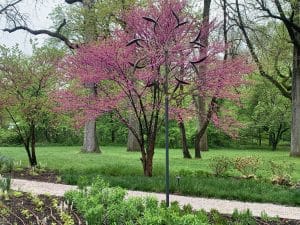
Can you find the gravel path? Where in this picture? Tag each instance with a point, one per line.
(223, 206)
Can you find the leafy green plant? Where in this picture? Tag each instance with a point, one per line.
(26, 213)
(220, 165)
(247, 166)
(17, 194)
(101, 204)
(5, 183)
(244, 217)
(217, 218)
(281, 173)
(66, 218)
(264, 216)
(6, 165)
(39, 204)
(4, 211)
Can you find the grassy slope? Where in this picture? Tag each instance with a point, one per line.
(124, 169)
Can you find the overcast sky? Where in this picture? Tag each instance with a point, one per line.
(37, 14)
(38, 19)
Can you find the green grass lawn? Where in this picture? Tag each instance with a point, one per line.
(124, 169)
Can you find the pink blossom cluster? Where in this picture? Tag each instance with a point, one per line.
(126, 72)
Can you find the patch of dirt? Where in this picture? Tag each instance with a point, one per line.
(43, 175)
(26, 209)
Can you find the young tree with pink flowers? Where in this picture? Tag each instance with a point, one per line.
(138, 69)
(25, 84)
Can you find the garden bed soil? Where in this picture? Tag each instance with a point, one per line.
(24, 209)
(43, 175)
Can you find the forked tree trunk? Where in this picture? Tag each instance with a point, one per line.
(132, 143)
(29, 144)
(31, 156)
(185, 149)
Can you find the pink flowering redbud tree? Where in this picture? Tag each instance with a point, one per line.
(160, 47)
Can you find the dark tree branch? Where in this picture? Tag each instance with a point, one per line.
(73, 1)
(262, 72)
(288, 21)
(9, 6)
(55, 34)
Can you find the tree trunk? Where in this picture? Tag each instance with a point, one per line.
(259, 137)
(27, 148)
(197, 146)
(147, 160)
(200, 142)
(295, 132)
(132, 143)
(185, 149)
(270, 139)
(274, 146)
(33, 141)
(112, 129)
(148, 166)
(90, 142)
(273, 140)
(203, 141)
(147, 157)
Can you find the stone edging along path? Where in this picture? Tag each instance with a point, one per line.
(223, 206)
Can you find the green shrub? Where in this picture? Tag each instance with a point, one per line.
(217, 218)
(244, 217)
(247, 166)
(103, 205)
(6, 167)
(281, 173)
(220, 165)
(5, 183)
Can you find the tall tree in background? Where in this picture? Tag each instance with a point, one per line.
(90, 140)
(201, 143)
(287, 12)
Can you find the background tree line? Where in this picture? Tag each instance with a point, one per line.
(265, 115)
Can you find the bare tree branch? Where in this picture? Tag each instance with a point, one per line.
(240, 23)
(55, 34)
(9, 6)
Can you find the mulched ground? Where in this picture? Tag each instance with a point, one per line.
(37, 175)
(26, 209)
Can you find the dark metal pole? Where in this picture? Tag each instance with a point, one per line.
(167, 149)
(167, 129)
